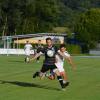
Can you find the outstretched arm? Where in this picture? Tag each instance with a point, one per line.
(69, 60)
(36, 56)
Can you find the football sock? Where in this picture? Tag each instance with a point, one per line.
(60, 81)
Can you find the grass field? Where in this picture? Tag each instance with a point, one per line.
(16, 81)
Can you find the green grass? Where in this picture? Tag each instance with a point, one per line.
(16, 81)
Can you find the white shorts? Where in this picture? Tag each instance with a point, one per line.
(60, 67)
(27, 53)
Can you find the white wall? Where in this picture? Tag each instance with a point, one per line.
(94, 52)
(14, 51)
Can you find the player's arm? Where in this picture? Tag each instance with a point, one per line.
(56, 58)
(70, 61)
(36, 56)
(39, 53)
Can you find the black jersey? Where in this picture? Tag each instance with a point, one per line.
(49, 60)
(39, 47)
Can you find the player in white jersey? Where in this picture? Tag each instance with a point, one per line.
(60, 57)
(60, 60)
(27, 49)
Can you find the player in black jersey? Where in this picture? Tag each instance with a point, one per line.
(49, 62)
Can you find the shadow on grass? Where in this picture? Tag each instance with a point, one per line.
(16, 61)
(26, 84)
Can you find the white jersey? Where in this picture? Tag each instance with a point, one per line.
(27, 49)
(60, 61)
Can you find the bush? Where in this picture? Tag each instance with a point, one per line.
(73, 49)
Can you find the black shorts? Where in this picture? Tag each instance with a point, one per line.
(46, 68)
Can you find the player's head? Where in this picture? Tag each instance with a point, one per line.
(27, 42)
(49, 41)
(62, 47)
(39, 41)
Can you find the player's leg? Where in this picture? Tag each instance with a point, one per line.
(59, 77)
(41, 73)
(65, 77)
(62, 72)
(51, 75)
(27, 56)
(38, 58)
(36, 74)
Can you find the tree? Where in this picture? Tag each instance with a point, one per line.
(88, 26)
(46, 13)
(29, 16)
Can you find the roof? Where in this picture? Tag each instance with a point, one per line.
(34, 35)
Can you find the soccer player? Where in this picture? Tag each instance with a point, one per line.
(27, 49)
(49, 62)
(38, 47)
(60, 57)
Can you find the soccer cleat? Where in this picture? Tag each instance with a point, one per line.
(63, 89)
(38, 61)
(66, 84)
(36, 74)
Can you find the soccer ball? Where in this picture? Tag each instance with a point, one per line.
(50, 53)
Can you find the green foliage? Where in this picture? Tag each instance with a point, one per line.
(29, 16)
(73, 49)
(61, 30)
(46, 12)
(88, 26)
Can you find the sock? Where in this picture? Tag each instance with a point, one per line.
(60, 81)
(36, 74)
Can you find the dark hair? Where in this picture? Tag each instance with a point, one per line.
(48, 39)
(39, 40)
(62, 45)
(27, 41)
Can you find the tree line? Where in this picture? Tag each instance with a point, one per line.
(33, 16)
